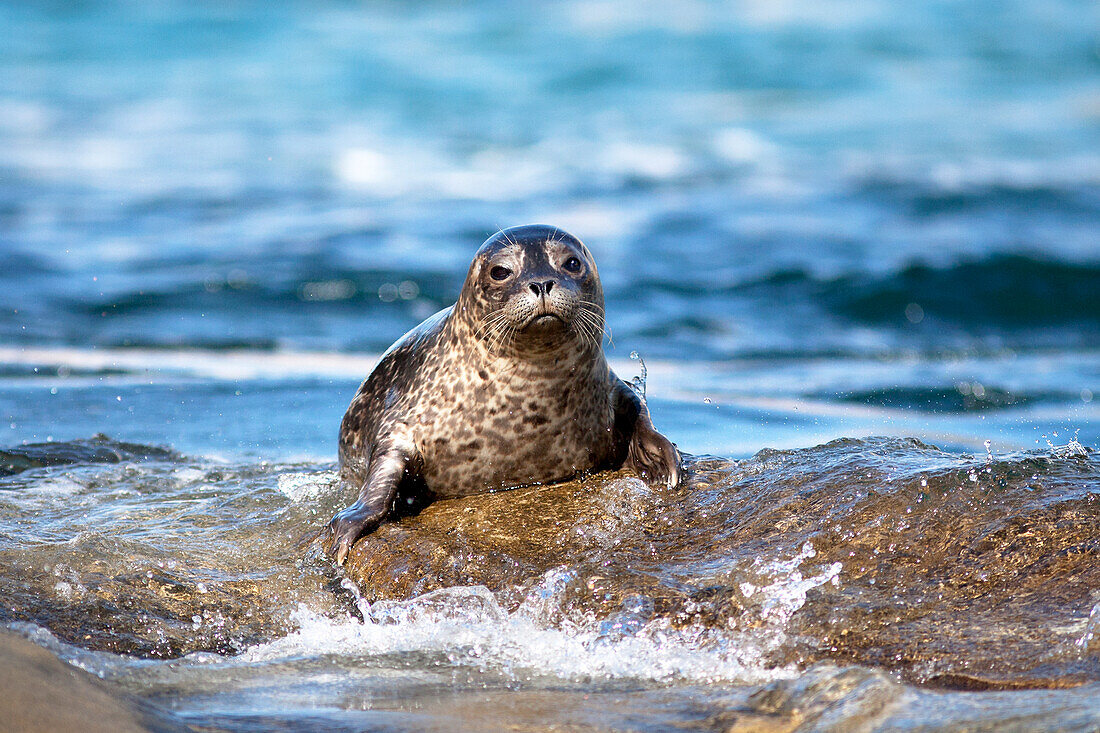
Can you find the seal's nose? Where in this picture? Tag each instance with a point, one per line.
(542, 288)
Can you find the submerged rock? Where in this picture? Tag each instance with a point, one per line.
(830, 698)
(956, 571)
(824, 698)
(137, 550)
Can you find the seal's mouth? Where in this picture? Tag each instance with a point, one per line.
(540, 320)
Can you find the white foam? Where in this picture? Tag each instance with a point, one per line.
(233, 365)
(469, 627)
(738, 145)
(653, 161)
(788, 589)
(365, 168)
(492, 174)
(57, 485)
(188, 475)
(300, 487)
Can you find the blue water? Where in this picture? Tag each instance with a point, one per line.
(757, 181)
(751, 178)
(813, 220)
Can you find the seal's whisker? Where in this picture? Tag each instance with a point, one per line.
(497, 340)
(495, 316)
(491, 324)
(506, 336)
(496, 326)
(585, 316)
(592, 307)
(504, 329)
(589, 327)
(591, 315)
(508, 239)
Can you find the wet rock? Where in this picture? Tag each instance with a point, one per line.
(830, 698)
(977, 574)
(606, 533)
(955, 571)
(951, 571)
(147, 553)
(44, 694)
(824, 698)
(98, 449)
(156, 614)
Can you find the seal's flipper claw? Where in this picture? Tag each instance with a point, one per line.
(343, 539)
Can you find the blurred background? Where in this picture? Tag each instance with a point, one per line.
(817, 221)
(868, 204)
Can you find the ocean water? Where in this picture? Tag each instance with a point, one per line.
(856, 245)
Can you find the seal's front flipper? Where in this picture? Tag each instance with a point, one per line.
(350, 524)
(651, 455)
(648, 453)
(375, 501)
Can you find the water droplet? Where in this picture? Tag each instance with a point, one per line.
(388, 293)
(1092, 627)
(638, 383)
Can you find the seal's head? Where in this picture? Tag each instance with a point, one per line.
(533, 289)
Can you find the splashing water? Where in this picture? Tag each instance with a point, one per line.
(638, 382)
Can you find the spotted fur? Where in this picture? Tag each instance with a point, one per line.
(508, 387)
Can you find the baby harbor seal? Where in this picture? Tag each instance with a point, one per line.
(506, 388)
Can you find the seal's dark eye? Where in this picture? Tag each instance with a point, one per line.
(500, 273)
(572, 264)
